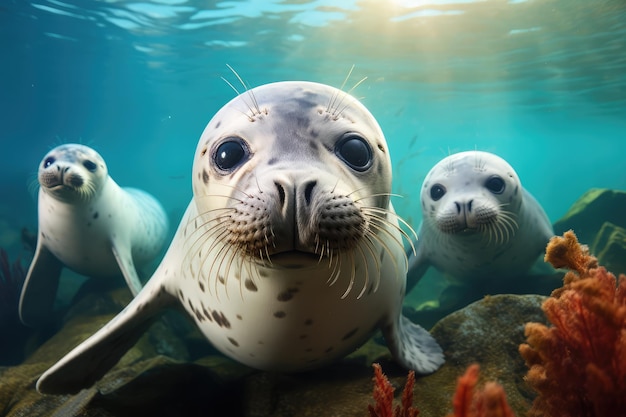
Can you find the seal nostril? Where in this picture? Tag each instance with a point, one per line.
(469, 206)
(308, 191)
(458, 207)
(281, 193)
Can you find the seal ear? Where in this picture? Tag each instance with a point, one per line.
(90, 360)
(40, 287)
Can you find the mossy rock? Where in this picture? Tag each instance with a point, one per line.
(152, 381)
(487, 332)
(587, 215)
(609, 247)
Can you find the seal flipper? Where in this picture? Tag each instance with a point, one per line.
(90, 360)
(124, 257)
(418, 264)
(40, 287)
(412, 346)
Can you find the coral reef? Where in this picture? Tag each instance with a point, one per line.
(488, 402)
(383, 395)
(578, 365)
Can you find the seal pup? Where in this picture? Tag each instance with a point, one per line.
(478, 223)
(89, 224)
(289, 255)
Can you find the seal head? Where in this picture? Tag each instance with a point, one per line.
(479, 224)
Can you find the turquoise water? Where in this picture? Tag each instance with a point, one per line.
(542, 83)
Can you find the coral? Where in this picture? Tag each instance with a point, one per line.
(488, 402)
(578, 365)
(383, 395)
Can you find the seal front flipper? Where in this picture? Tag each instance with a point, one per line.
(90, 360)
(124, 257)
(40, 287)
(418, 264)
(412, 346)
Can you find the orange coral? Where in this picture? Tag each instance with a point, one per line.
(383, 395)
(578, 366)
(489, 402)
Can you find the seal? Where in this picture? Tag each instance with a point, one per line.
(289, 255)
(89, 224)
(479, 223)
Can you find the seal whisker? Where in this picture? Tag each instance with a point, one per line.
(335, 94)
(374, 195)
(401, 220)
(248, 90)
(366, 274)
(352, 275)
(370, 246)
(254, 107)
(381, 228)
(340, 111)
(212, 276)
(386, 248)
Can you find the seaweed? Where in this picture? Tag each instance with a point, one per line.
(578, 365)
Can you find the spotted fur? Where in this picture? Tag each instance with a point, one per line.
(89, 224)
(289, 255)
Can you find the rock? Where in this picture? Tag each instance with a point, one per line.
(158, 376)
(609, 247)
(591, 211)
(598, 220)
(487, 332)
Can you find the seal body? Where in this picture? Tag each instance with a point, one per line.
(289, 255)
(479, 224)
(88, 224)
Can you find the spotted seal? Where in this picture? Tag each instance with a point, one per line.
(89, 224)
(478, 221)
(289, 255)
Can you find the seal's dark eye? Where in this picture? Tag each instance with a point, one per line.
(91, 166)
(48, 161)
(355, 152)
(230, 154)
(437, 191)
(495, 185)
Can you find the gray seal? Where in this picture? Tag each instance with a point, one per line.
(289, 255)
(88, 224)
(478, 223)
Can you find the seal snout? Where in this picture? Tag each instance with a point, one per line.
(466, 218)
(295, 215)
(62, 175)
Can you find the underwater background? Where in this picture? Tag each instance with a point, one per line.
(541, 83)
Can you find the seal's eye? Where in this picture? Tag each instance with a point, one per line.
(437, 191)
(48, 161)
(90, 165)
(495, 184)
(230, 154)
(355, 152)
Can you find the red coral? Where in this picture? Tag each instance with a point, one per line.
(488, 402)
(383, 395)
(578, 366)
